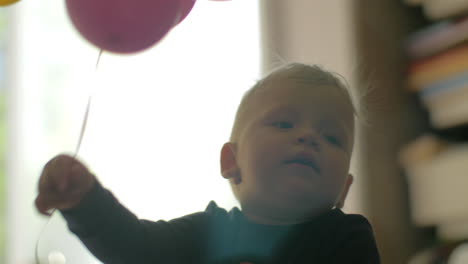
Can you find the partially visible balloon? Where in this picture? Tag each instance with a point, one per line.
(185, 8)
(7, 2)
(123, 26)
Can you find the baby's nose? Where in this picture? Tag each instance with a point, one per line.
(308, 137)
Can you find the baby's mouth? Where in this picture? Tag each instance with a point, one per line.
(304, 162)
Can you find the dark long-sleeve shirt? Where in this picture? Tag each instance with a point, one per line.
(116, 236)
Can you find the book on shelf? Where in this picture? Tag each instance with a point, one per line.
(447, 114)
(437, 38)
(447, 101)
(435, 68)
(444, 86)
(440, 9)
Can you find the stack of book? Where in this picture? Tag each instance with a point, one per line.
(438, 71)
(436, 163)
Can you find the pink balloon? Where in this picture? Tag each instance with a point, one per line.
(123, 26)
(185, 8)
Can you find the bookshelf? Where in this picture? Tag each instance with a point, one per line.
(436, 164)
(415, 152)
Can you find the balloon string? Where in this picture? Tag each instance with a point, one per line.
(77, 149)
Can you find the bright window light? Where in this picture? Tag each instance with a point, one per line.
(158, 118)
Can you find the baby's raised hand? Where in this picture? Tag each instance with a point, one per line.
(64, 182)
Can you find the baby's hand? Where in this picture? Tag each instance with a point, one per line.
(64, 182)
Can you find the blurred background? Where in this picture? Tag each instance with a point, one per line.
(159, 118)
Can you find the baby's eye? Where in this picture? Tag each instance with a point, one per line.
(333, 140)
(283, 124)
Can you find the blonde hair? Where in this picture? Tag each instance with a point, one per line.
(311, 74)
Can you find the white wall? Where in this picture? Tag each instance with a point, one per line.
(158, 119)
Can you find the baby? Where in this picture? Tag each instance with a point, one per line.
(287, 162)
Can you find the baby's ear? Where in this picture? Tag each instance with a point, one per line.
(341, 199)
(229, 167)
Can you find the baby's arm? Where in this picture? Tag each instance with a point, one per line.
(110, 231)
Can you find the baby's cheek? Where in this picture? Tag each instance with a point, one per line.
(336, 177)
(337, 163)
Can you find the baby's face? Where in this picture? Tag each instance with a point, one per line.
(294, 152)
